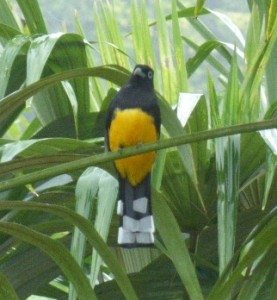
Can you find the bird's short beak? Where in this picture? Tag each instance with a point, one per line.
(138, 71)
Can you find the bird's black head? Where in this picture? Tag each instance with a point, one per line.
(142, 74)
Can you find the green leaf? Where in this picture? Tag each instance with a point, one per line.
(231, 107)
(57, 251)
(257, 277)
(176, 247)
(44, 147)
(253, 34)
(184, 13)
(254, 75)
(76, 92)
(227, 161)
(214, 62)
(203, 30)
(33, 127)
(201, 55)
(230, 25)
(264, 241)
(271, 164)
(157, 281)
(11, 103)
(10, 80)
(213, 103)
(271, 17)
(271, 73)
(113, 34)
(107, 195)
(181, 194)
(91, 234)
(93, 183)
(6, 289)
(227, 164)
(253, 153)
(143, 50)
(175, 128)
(6, 15)
(180, 63)
(18, 261)
(7, 32)
(33, 16)
(198, 7)
(168, 73)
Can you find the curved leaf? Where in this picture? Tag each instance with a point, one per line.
(201, 55)
(46, 147)
(199, 7)
(6, 289)
(264, 241)
(91, 234)
(33, 16)
(57, 251)
(10, 104)
(176, 247)
(13, 62)
(94, 182)
(7, 32)
(6, 15)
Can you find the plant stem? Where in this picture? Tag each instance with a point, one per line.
(105, 157)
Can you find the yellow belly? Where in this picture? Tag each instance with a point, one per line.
(131, 127)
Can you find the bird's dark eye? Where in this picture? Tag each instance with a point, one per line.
(150, 75)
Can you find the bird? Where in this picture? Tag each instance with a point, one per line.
(134, 118)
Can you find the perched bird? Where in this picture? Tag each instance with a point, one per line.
(134, 118)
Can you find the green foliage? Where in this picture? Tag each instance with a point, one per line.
(214, 188)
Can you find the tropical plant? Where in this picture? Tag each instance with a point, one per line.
(214, 181)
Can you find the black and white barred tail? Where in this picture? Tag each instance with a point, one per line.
(134, 206)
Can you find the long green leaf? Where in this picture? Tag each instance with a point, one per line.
(50, 48)
(57, 251)
(258, 275)
(107, 195)
(214, 62)
(255, 73)
(264, 241)
(175, 128)
(11, 103)
(7, 32)
(182, 75)
(198, 7)
(202, 29)
(166, 61)
(91, 234)
(176, 247)
(45, 147)
(271, 71)
(201, 55)
(271, 164)
(33, 16)
(230, 25)
(6, 15)
(12, 78)
(93, 182)
(144, 51)
(113, 34)
(227, 164)
(6, 289)
(184, 13)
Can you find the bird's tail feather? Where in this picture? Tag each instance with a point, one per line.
(137, 225)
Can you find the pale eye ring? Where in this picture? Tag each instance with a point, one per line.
(150, 75)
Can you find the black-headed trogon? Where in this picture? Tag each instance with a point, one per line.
(134, 118)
